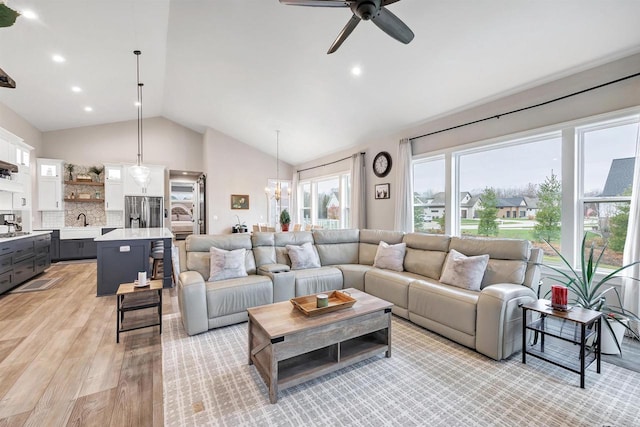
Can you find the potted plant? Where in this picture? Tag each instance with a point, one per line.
(240, 227)
(70, 168)
(285, 220)
(97, 171)
(589, 288)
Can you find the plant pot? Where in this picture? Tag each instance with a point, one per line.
(607, 343)
(284, 227)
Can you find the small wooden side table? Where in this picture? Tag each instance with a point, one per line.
(575, 327)
(132, 298)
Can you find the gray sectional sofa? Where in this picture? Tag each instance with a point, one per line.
(487, 320)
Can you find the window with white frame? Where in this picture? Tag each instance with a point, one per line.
(277, 206)
(324, 201)
(525, 176)
(607, 153)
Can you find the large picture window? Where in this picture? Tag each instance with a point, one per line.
(325, 202)
(514, 188)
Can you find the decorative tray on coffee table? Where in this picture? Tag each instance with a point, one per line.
(337, 301)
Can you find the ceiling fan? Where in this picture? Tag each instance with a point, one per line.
(366, 10)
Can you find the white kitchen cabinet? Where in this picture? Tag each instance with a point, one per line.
(22, 200)
(155, 187)
(49, 184)
(113, 188)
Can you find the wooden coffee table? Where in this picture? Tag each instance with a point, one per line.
(289, 348)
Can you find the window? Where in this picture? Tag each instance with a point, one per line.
(514, 188)
(276, 207)
(428, 195)
(325, 201)
(607, 150)
(502, 189)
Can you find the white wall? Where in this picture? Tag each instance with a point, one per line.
(164, 143)
(233, 167)
(18, 126)
(380, 213)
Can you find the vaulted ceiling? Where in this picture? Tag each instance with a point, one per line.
(249, 67)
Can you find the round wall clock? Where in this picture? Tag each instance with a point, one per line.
(382, 164)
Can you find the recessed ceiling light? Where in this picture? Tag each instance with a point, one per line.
(137, 103)
(88, 109)
(76, 89)
(29, 14)
(185, 173)
(356, 71)
(58, 58)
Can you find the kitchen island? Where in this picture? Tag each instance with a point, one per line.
(23, 255)
(124, 252)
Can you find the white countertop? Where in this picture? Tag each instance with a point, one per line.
(135, 233)
(31, 234)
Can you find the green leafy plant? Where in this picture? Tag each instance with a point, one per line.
(589, 286)
(284, 217)
(97, 171)
(8, 16)
(70, 167)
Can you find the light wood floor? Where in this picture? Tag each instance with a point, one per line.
(60, 364)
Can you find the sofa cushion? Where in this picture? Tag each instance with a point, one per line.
(504, 271)
(424, 263)
(337, 246)
(390, 257)
(226, 264)
(353, 275)
(389, 285)
(197, 251)
(463, 271)
(316, 280)
(446, 305)
(264, 249)
(369, 241)
(236, 295)
(303, 256)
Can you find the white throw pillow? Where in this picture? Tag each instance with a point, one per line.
(227, 264)
(463, 271)
(390, 257)
(303, 256)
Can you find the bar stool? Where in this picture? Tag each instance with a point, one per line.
(157, 254)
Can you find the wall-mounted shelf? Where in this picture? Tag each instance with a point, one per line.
(85, 200)
(92, 183)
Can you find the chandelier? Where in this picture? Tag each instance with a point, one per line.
(277, 192)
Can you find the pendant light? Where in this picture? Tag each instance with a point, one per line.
(277, 194)
(139, 172)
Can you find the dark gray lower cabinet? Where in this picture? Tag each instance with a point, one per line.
(21, 259)
(78, 249)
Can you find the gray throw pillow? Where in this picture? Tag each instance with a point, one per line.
(226, 264)
(303, 256)
(463, 271)
(390, 257)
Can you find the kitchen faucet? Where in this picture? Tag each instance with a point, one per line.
(85, 218)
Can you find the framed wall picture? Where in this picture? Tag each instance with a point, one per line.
(382, 191)
(239, 201)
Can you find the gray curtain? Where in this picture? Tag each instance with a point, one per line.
(358, 202)
(404, 194)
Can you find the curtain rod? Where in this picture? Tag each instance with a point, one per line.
(327, 164)
(497, 116)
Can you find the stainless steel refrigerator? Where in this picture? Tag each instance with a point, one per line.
(143, 212)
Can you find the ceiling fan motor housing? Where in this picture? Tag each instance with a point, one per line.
(366, 9)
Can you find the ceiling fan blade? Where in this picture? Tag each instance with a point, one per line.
(348, 29)
(392, 25)
(388, 2)
(317, 3)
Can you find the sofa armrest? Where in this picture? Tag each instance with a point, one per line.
(192, 299)
(499, 319)
(273, 268)
(284, 281)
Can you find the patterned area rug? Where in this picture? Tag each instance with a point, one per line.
(36, 285)
(429, 380)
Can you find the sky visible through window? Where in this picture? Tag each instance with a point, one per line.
(519, 165)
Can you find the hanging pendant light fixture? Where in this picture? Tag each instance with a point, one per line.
(139, 172)
(277, 193)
